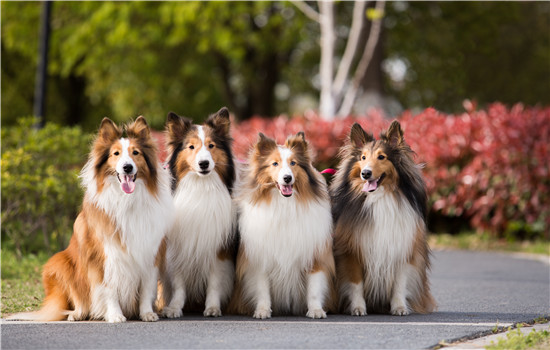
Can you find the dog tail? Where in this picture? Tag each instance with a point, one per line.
(54, 308)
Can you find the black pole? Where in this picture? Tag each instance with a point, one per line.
(42, 68)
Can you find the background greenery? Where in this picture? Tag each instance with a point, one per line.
(122, 59)
(41, 194)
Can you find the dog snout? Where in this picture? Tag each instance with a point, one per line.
(204, 164)
(287, 178)
(128, 168)
(366, 174)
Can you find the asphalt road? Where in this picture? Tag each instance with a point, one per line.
(475, 292)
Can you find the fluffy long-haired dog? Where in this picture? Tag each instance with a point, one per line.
(109, 270)
(285, 263)
(200, 246)
(379, 210)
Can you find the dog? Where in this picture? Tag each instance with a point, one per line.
(200, 253)
(109, 271)
(379, 206)
(284, 263)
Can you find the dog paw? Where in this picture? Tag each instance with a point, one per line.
(116, 318)
(400, 311)
(358, 311)
(212, 311)
(149, 317)
(74, 316)
(262, 313)
(316, 313)
(170, 312)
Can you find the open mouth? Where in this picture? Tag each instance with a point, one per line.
(286, 190)
(372, 185)
(127, 182)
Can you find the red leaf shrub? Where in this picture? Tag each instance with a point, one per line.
(488, 166)
(325, 137)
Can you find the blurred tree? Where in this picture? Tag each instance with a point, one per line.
(445, 52)
(340, 83)
(131, 58)
(122, 59)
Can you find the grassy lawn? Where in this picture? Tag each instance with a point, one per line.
(473, 241)
(21, 282)
(517, 340)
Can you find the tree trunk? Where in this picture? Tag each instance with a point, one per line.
(327, 105)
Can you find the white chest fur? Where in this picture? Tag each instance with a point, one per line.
(204, 221)
(284, 232)
(386, 241)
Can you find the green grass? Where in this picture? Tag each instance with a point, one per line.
(516, 340)
(474, 241)
(21, 282)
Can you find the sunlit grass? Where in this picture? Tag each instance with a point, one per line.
(474, 241)
(517, 340)
(21, 282)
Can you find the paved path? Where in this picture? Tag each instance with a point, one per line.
(475, 291)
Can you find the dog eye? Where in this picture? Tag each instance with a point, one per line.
(293, 163)
(275, 164)
(116, 153)
(135, 153)
(211, 145)
(363, 157)
(381, 157)
(191, 147)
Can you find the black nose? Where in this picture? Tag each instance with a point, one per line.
(203, 164)
(287, 178)
(366, 174)
(128, 168)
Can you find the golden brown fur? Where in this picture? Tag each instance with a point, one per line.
(285, 253)
(70, 276)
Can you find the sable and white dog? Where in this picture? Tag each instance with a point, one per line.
(109, 270)
(285, 263)
(200, 253)
(379, 209)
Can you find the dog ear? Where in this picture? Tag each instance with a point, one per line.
(220, 122)
(297, 141)
(139, 129)
(264, 146)
(108, 130)
(358, 137)
(176, 127)
(394, 135)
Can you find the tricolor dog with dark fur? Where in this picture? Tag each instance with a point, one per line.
(199, 270)
(379, 210)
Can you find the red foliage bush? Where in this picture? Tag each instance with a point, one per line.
(489, 167)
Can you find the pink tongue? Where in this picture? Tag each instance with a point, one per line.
(370, 186)
(286, 190)
(127, 184)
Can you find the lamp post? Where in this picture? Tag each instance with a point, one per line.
(42, 68)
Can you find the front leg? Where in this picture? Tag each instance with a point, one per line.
(175, 308)
(113, 312)
(398, 302)
(257, 287)
(317, 290)
(148, 293)
(220, 285)
(351, 284)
